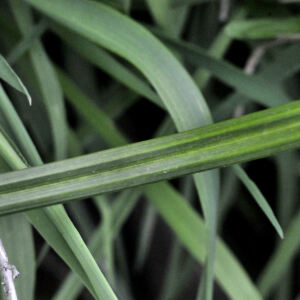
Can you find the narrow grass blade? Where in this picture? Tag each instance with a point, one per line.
(108, 241)
(121, 209)
(25, 44)
(173, 208)
(20, 134)
(259, 198)
(263, 28)
(281, 258)
(287, 200)
(285, 65)
(255, 88)
(190, 229)
(229, 187)
(106, 62)
(287, 186)
(145, 236)
(218, 48)
(9, 76)
(168, 17)
(103, 125)
(118, 105)
(242, 139)
(48, 83)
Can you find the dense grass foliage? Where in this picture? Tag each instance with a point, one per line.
(122, 127)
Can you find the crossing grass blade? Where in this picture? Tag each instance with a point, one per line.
(48, 83)
(249, 137)
(8, 75)
(259, 198)
(25, 44)
(104, 126)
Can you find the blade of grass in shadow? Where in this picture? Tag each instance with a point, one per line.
(120, 102)
(121, 209)
(285, 65)
(48, 84)
(108, 243)
(8, 75)
(166, 201)
(189, 230)
(175, 272)
(287, 200)
(259, 198)
(106, 62)
(103, 125)
(25, 44)
(260, 89)
(176, 3)
(264, 28)
(218, 48)
(227, 195)
(281, 258)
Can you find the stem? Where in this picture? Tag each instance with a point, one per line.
(9, 273)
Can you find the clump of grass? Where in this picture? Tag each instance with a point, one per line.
(103, 75)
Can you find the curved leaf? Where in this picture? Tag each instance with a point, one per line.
(9, 76)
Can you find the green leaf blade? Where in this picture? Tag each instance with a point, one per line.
(263, 28)
(8, 75)
(249, 137)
